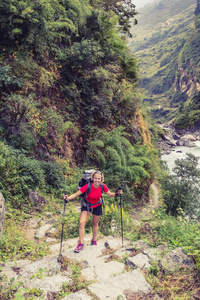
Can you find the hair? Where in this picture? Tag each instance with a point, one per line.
(98, 172)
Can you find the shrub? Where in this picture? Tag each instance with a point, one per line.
(54, 175)
(20, 173)
(181, 190)
(7, 79)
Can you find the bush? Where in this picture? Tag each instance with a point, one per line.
(8, 80)
(181, 191)
(19, 174)
(54, 175)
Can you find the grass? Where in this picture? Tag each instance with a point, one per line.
(184, 285)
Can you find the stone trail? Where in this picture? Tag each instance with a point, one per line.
(113, 271)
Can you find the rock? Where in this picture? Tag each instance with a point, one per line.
(51, 221)
(113, 287)
(100, 270)
(51, 240)
(47, 266)
(180, 143)
(41, 232)
(170, 141)
(189, 137)
(2, 212)
(175, 259)
(33, 223)
(50, 231)
(140, 245)
(48, 214)
(12, 268)
(81, 295)
(186, 143)
(97, 268)
(176, 136)
(140, 260)
(48, 284)
(104, 265)
(154, 254)
(36, 198)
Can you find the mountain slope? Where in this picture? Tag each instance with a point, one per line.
(162, 31)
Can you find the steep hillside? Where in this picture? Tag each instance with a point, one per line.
(163, 29)
(68, 96)
(188, 79)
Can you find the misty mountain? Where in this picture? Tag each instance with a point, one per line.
(141, 3)
(166, 44)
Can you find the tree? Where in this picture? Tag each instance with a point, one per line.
(181, 190)
(125, 10)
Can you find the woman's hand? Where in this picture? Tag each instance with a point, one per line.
(65, 198)
(71, 197)
(120, 192)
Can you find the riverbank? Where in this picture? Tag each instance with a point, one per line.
(173, 137)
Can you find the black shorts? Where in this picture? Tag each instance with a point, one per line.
(97, 211)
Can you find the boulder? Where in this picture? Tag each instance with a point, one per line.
(186, 143)
(170, 141)
(41, 232)
(36, 198)
(189, 137)
(175, 259)
(155, 254)
(2, 212)
(140, 260)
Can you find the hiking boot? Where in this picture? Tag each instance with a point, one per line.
(79, 248)
(93, 242)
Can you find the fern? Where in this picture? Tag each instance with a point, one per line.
(116, 155)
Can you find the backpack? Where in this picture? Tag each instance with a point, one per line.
(86, 179)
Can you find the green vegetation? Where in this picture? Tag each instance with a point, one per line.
(116, 155)
(69, 101)
(65, 73)
(181, 190)
(166, 45)
(160, 228)
(13, 244)
(20, 173)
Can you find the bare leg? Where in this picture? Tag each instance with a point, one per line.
(95, 221)
(83, 219)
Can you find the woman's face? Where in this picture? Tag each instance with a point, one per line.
(97, 179)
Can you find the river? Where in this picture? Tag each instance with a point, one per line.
(180, 152)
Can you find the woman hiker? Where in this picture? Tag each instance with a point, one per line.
(93, 198)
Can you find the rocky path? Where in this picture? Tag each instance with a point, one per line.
(108, 270)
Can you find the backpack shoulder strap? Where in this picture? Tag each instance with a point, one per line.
(88, 190)
(102, 188)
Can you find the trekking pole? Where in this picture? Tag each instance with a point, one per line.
(121, 220)
(120, 204)
(60, 255)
